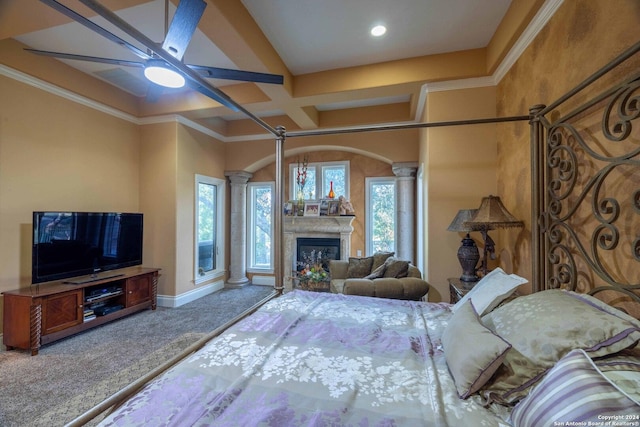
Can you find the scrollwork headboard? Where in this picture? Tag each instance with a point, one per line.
(586, 187)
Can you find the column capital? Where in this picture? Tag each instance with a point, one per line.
(238, 177)
(405, 169)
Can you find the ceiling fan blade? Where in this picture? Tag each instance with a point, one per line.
(245, 76)
(94, 27)
(87, 58)
(183, 25)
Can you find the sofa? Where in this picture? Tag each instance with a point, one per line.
(380, 275)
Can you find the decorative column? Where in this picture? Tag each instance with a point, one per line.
(405, 208)
(238, 228)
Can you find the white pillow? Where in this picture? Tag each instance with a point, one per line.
(491, 290)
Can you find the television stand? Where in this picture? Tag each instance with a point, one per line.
(92, 279)
(43, 313)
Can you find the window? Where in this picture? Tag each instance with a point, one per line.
(209, 236)
(381, 214)
(319, 179)
(260, 226)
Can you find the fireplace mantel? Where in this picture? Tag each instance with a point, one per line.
(309, 226)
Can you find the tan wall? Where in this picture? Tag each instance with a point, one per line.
(158, 171)
(57, 155)
(388, 146)
(580, 38)
(196, 154)
(459, 169)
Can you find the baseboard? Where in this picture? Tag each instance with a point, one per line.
(264, 280)
(177, 301)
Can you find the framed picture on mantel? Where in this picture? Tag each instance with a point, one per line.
(311, 208)
(334, 208)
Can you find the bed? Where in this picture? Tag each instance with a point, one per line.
(564, 355)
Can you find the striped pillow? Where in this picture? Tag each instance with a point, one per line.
(574, 390)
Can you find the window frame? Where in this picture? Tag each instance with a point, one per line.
(319, 168)
(219, 269)
(369, 182)
(251, 212)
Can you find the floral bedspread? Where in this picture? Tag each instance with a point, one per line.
(316, 359)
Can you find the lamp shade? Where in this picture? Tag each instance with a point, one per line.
(492, 214)
(458, 223)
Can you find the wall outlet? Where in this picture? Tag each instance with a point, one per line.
(358, 252)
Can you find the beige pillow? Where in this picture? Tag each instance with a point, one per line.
(359, 267)
(377, 273)
(491, 290)
(545, 326)
(396, 268)
(472, 351)
(379, 258)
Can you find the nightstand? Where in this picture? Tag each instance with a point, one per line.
(458, 289)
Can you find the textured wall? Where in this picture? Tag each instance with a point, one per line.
(581, 37)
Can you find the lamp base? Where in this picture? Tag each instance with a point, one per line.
(468, 256)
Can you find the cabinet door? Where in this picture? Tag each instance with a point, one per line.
(61, 311)
(138, 290)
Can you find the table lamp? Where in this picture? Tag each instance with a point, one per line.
(468, 254)
(491, 215)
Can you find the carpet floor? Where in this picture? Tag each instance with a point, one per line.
(70, 376)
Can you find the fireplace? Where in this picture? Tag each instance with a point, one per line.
(322, 227)
(307, 247)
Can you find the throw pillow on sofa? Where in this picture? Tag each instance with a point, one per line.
(396, 268)
(379, 259)
(359, 267)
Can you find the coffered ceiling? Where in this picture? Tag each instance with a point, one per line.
(335, 72)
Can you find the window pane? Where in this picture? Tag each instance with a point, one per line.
(383, 216)
(309, 189)
(206, 227)
(261, 219)
(337, 175)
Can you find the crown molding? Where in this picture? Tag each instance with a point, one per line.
(541, 18)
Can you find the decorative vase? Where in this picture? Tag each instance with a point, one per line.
(331, 195)
(300, 203)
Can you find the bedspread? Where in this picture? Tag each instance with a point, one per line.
(316, 359)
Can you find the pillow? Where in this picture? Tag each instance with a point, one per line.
(377, 273)
(396, 268)
(359, 267)
(379, 258)
(472, 351)
(545, 326)
(491, 290)
(576, 391)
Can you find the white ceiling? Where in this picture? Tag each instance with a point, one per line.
(309, 36)
(313, 35)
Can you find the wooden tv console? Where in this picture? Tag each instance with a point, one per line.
(43, 313)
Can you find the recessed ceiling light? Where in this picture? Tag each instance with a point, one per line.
(378, 30)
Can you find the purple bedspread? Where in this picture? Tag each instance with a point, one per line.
(315, 359)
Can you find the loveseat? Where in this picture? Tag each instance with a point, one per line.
(380, 275)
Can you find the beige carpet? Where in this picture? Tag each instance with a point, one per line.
(81, 403)
(72, 375)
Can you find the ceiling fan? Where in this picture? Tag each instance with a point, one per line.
(162, 63)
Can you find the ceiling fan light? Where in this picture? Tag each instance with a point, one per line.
(160, 74)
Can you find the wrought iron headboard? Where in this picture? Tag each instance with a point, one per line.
(585, 151)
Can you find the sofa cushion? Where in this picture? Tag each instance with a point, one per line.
(414, 272)
(396, 268)
(379, 258)
(359, 267)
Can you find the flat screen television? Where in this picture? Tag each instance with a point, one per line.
(72, 244)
